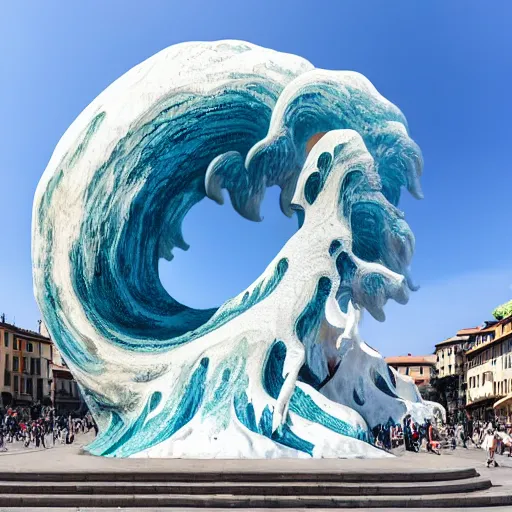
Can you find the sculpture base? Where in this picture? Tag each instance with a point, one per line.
(87, 481)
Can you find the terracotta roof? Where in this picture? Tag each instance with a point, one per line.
(478, 330)
(24, 333)
(453, 339)
(405, 360)
(468, 330)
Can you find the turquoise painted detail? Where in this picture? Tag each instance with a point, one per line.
(273, 369)
(245, 413)
(309, 320)
(144, 433)
(333, 248)
(312, 188)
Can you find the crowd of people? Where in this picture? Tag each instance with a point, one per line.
(493, 437)
(42, 428)
(409, 434)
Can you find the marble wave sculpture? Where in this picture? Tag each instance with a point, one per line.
(279, 370)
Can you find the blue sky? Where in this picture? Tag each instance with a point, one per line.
(445, 63)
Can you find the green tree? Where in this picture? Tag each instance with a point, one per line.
(503, 311)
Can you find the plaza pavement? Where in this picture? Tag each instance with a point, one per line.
(71, 458)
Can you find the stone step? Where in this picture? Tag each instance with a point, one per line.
(247, 489)
(229, 475)
(210, 509)
(482, 499)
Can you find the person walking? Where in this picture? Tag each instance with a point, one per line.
(433, 445)
(3, 432)
(489, 445)
(70, 437)
(408, 433)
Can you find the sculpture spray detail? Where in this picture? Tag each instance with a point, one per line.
(279, 370)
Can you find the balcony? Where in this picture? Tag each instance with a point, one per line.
(482, 392)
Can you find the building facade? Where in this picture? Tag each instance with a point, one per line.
(489, 371)
(25, 366)
(422, 369)
(450, 375)
(32, 371)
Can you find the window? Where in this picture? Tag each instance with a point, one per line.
(16, 383)
(26, 368)
(7, 378)
(30, 386)
(421, 370)
(407, 371)
(30, 347)
(15, 343)
(7, 362)
(6, 338)
(37, 366)
(22, 385)
(15, 364)
(449, 368)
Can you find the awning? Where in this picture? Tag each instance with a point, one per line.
(484, 401)
(503, 401)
